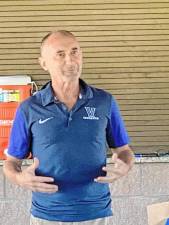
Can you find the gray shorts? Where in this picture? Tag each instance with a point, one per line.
(37, 221)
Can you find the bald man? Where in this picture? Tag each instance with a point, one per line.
(68, 126)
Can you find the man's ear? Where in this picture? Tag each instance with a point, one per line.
(42, 63)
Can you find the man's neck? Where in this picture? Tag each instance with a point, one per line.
(66, 90)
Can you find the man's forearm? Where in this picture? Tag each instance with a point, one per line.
(11, 170)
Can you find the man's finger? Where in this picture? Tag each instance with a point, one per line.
(43, 190)
(113, 170)
(42, 179)
(107, 179)
(46, 186)
(116, 166)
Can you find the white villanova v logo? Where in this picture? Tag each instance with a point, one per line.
(90, 112)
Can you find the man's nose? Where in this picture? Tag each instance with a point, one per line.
(68, 59)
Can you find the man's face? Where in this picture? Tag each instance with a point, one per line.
(61, 56)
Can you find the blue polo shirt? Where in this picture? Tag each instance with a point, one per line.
(71, 147)
(167, 222)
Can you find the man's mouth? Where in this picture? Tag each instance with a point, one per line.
(70, 69)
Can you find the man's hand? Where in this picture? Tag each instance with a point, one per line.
(114, 171)
(27, 179)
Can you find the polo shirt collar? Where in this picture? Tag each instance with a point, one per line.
(48, 97)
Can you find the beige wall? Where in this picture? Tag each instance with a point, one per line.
(126, 51)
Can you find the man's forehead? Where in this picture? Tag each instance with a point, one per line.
(61, 41)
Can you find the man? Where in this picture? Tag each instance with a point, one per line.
(67, 126)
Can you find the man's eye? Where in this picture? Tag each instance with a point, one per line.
(75, 52)
(61, 54)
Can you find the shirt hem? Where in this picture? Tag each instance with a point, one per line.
(75, 218)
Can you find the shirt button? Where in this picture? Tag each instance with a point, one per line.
(80, 96)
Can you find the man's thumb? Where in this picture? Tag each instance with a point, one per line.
(35, 163)
(114, 157)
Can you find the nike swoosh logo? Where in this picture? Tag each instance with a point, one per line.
(44, 121)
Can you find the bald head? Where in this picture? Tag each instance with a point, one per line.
(55, 35)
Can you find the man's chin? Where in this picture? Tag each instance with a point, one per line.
(71, 74)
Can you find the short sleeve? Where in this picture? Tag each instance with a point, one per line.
(19, 137)
(116, 132)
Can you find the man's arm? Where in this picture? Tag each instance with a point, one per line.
(26, 178)
(122, 162)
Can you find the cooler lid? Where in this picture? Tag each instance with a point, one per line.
(15, 80)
